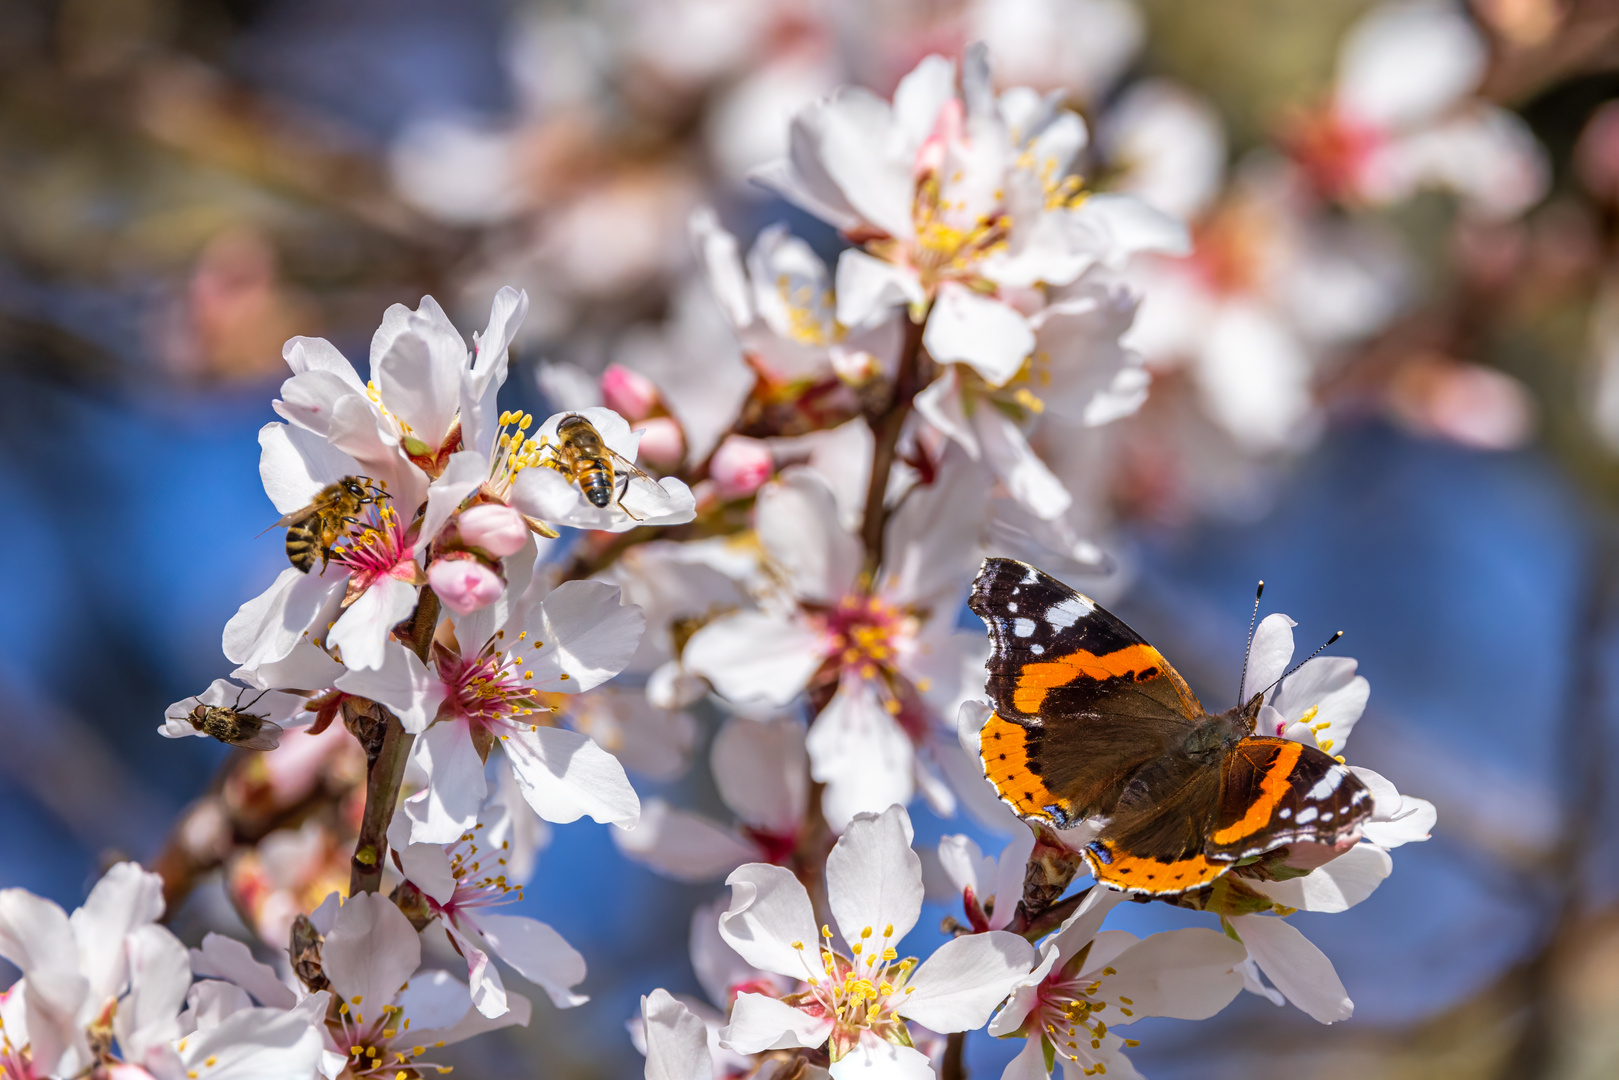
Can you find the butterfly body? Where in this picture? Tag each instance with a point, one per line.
(1092, 724)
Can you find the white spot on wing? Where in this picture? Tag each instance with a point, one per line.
(1327, 784)
(1038, 649)
(1307, 815)
(1285, 812)
(1023, 627)
(1032, 577)
(1012, 607)
(1069, 611)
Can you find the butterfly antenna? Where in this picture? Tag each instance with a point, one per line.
(1306, 660)
(1253, 621)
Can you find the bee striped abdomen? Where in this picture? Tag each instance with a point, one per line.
(302, 546)
(597, 484)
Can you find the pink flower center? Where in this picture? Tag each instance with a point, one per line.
(480, 877)
(490, 689)
(382, 548)
(865, 633)
(1068, 1012)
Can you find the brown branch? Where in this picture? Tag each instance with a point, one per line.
(953, 1067)
(387, 746)
(886, 428)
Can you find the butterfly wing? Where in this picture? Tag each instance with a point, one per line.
(1275, 792)
(1154, 839)
(1081, 701)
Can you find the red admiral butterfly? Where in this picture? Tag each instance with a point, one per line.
(1091, 721)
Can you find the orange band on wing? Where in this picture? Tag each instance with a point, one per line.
(1003, 746)
(1035, 680)
(1273, 787)
(1145, 875)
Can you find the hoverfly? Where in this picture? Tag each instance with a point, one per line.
(235, 725)
(313, 529)
(582, 456)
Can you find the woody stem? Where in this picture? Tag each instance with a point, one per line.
(387, 746)
(886, 426)
(953, 1067)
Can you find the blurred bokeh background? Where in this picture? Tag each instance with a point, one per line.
(1391, 392)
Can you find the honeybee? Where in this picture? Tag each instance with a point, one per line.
(313, 529)
(233, 724)
(580, 454)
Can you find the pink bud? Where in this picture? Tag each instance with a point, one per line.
(628, 393)
(463, 582)
(740, 466)
(497, 529)
(662, 443)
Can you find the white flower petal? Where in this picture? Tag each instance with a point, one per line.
(159, 976)
(317, 354)
(481, 385)
(371, 952)
(1011, 869)
(797, 522)
(436, 1000)
(455, 790)
(676, 1040)
(361, 633)
(761, 769)
(762, 1023)
(874, 879)
(1030, 1063)
(583, 631)
(267, 628)
(418, 360)
(1298, 969)
(1269, 654)
(770, 914)
(565, 776)
(402, 683)
(721, 260)
(426, 866)
(127, 896)
(1131, 227)
(873, 1058)
(965, 865)
(462, 474)
(295, 465)
(538, 953)
(751, 656)
(961, 983)
(1190, 974)
(868, 287)
(683, 845)
(226, 958)
(1336, 886)
(865, 759)
(977, 330)
(1404, 63)
(256, 1044)
(1029, 479)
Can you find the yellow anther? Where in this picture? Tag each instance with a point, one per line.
(866, 933)
(211, 1062)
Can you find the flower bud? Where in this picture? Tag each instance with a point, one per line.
(662, 443)
(740, 466)
(628, 393)
(464, 582)
(497, 529)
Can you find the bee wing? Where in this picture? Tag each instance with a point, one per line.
(303, 513)
(630, 468)
(268, 738)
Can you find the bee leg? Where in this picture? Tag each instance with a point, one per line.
(619, 499)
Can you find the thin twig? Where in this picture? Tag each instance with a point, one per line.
(886, 429)
(385, 759)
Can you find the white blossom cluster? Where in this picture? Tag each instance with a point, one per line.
(832, 450)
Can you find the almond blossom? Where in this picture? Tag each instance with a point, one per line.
(989, 889)
(762, 772)
(482, 692)
(461, 883)
(961, 201)
(892, 656)
(390, 1016)
(109, 972)
(860, 996)
(1089, 981)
